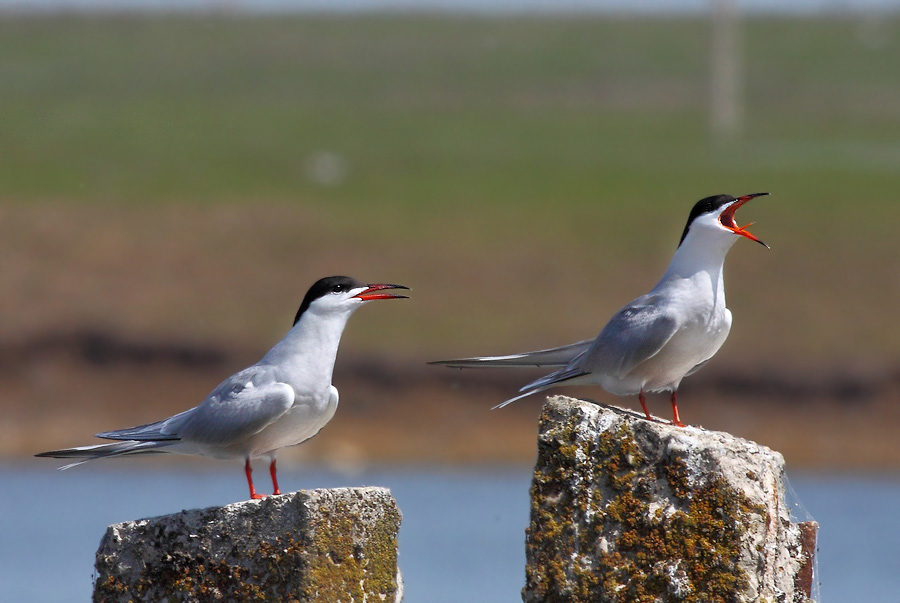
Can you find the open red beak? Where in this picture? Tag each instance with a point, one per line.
(727, 218)
(369, 295)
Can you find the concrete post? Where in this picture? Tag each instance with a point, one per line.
(317, 545)
(624, 509)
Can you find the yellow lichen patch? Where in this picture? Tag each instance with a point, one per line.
(321, 545)
(333, 563)
(344, 568)
(595, 536)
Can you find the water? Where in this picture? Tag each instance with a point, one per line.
(462, 536)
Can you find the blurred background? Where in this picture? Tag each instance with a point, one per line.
(174, 174)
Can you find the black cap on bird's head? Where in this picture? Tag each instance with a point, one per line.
(725, 206)
(332, 285)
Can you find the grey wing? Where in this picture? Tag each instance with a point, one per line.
(560, 356)
(635, 333)
(157, 432)
(238, 408)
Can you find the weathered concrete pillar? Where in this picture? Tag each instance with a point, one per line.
(624, 509)
(317, 545)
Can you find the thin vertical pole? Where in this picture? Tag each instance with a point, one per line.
(726, 110)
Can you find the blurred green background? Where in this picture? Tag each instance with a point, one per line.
(171, 185)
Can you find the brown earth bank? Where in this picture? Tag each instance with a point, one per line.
(60, 388)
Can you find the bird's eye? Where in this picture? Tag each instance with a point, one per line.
(339, 288)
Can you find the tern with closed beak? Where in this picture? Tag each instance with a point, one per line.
(282, 400)
(661, 337)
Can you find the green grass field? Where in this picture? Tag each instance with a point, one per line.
(570, 145)
(430, 111)
(187, 178)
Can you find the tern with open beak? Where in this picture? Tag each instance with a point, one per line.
(282, 400)
(661, 337)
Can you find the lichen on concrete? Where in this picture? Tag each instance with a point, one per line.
(623, 509)
(344, 561)
(319, 545)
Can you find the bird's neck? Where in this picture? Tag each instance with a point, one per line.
(700, 256)
(312, 343)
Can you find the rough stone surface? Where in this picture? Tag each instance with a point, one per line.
(317, 545)
(625, 509)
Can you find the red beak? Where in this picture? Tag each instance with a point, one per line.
(727, 218)
(368, 294)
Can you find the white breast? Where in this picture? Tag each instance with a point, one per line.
(301, 422)
(692, 345)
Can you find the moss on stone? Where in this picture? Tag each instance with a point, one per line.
(198, 578)
(341, 568)
(346, 551)
(595, 537)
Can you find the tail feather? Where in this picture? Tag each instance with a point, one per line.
(545, 382)
(560, 356)
(556, 378)
(99, 451)
(515, 398)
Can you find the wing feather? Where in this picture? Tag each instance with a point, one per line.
(236, 410)
(560, 356)
(635, 334)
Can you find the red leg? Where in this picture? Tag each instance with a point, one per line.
(644, 405)
(249, 473)
(274, 477)
(676, 419)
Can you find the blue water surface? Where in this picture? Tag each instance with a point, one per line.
(462, 537)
